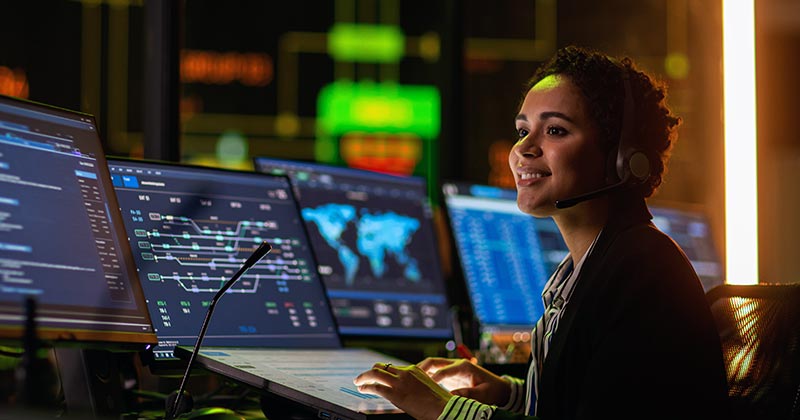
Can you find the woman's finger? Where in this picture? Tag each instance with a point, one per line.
(383, 366)
(463, 368)
(376, 374)
(463, 392)
(375, 388)
(432, 364)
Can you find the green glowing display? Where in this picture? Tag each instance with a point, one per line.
(366, 43)
(379, 107)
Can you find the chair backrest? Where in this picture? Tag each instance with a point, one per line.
(759, 326)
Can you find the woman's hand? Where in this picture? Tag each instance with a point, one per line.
(467, 379)
(407, 387)
(415, 389)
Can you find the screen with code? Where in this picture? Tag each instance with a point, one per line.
(61, 235)
(191, 228)
(506, 256)
(374, 239)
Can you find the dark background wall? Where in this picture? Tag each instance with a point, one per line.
(271, 61)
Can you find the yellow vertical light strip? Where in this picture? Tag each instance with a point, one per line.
(741, 186)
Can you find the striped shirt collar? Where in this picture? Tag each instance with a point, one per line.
(555, 297)
(562, 282)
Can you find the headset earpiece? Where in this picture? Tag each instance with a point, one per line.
(633, 165)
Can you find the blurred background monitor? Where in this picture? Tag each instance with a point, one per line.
(63, 241)
(505, 255)
(690, 228)
(374, 238)
(191, 228)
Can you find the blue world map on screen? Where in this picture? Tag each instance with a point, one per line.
(379, 235)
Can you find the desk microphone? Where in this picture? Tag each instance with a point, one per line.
(174, 407)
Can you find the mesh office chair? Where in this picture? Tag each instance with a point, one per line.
(759, 326)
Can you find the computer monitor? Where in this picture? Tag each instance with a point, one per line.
(506, 256)
(191, 228)
(374, 238)
(63, 240)
(690, 228)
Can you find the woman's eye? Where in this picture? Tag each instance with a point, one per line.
(556, 131)
(521, 132)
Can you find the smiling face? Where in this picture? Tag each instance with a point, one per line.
(558, 153)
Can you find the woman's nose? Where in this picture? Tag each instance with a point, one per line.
(527, 147)
(533, 151)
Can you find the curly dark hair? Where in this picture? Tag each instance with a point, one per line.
(600, 78)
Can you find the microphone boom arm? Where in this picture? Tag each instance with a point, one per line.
(569, 202)
(259, 253)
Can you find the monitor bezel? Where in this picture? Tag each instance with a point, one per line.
(96, 337)
(694, 209)
(475, 326)
(389, 341)
(175, 365)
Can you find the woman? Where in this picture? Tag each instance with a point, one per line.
(627, 332)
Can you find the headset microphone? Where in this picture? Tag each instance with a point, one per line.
(179, 401)
(632, 164)
(569, 202)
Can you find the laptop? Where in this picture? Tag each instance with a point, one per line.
(191, 229)
(321, 380)
(505, 258)
(374, 237)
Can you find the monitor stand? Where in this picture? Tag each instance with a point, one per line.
(93, 381)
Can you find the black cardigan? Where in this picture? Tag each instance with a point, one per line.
(637, 339)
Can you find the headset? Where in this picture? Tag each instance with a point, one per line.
(631, 162)
(633, 165)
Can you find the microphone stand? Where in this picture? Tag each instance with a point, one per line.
(260, 252)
